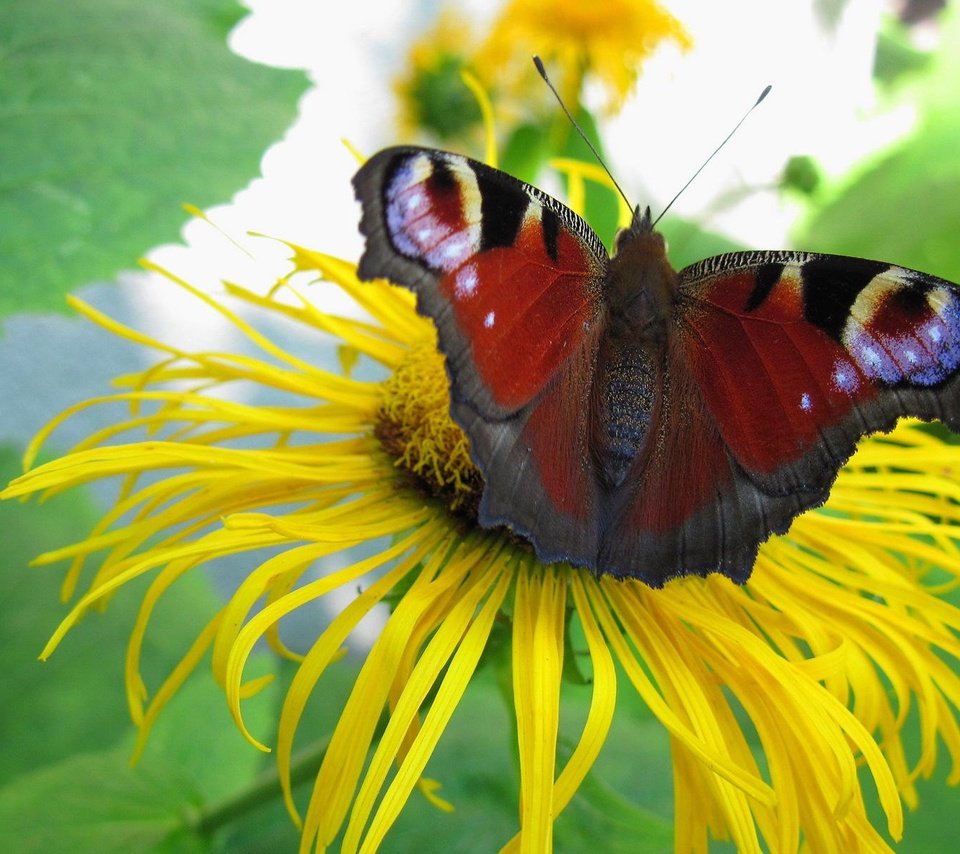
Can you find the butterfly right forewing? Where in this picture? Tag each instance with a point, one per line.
(785, 361)
(801, 354)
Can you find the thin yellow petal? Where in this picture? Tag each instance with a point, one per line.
(453, 651)
(538, 626)
(454, 683)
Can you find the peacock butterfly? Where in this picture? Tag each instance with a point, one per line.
(632, 419)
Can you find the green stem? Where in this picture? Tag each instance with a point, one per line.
(503, 670)
(263, 789)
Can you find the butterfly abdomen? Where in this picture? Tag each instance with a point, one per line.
(627, 384)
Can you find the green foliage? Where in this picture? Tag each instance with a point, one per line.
(97, 803)
(440, 101)
(801, 175)
(116, 112)
(896, 58)
(530, 147)
(65, 780)
(903, 206)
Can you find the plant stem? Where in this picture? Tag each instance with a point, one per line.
(263, 789)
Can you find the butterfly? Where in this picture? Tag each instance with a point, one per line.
(635, 420)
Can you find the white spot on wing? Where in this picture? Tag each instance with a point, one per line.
(456, 250)
(806, 404)
(489, 320)
(844, 378)
(466, 282)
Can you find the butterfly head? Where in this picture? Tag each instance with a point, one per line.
(640, 233)
(640, 224)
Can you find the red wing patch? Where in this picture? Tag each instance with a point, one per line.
(799, 355)
(772, 380)
(523, 312)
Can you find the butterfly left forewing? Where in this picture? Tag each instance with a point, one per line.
(512, 279)
(509, 275)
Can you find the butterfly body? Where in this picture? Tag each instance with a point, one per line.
(633, 419)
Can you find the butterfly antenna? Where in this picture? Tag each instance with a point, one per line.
(543, 73)
(726, 139)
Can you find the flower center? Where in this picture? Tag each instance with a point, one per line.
(414, 427)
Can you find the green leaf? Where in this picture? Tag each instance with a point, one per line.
(525, 152)
(602, 206)
(198, 716)
(74, 701)
(904, 207)
(801, 175)
(57, 714)
(97, 803)
(115, 113)
(689, 242)
(439, 100)
(598, 812)
(896, 56)
(530, 148)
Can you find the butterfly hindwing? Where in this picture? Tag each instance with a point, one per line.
(685, 506)
(512, 280)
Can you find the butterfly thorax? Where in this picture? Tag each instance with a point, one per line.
(639, 288)
(641, 283)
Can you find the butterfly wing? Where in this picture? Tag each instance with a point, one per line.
(789, 359)
(686, 507)
(512, 280)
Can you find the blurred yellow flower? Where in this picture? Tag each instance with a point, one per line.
(773, 693)
(607, 41)
(431, 93)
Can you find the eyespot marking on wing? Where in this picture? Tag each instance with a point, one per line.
(433, 212)
(898, 331)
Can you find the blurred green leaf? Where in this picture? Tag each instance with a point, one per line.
(602, 207)
(439, 100)
(57, 714)
(115, 113)
(530, 148)
(74, 701)
(801, 175)
(896, 57)
(904, 207)
(97, 803)
(599, 812)
(526, 151)
(689, 242)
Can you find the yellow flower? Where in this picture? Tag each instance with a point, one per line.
(608, 41)
(431, 92)
(773, 693)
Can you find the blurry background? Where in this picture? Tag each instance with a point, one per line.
(117, 113)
